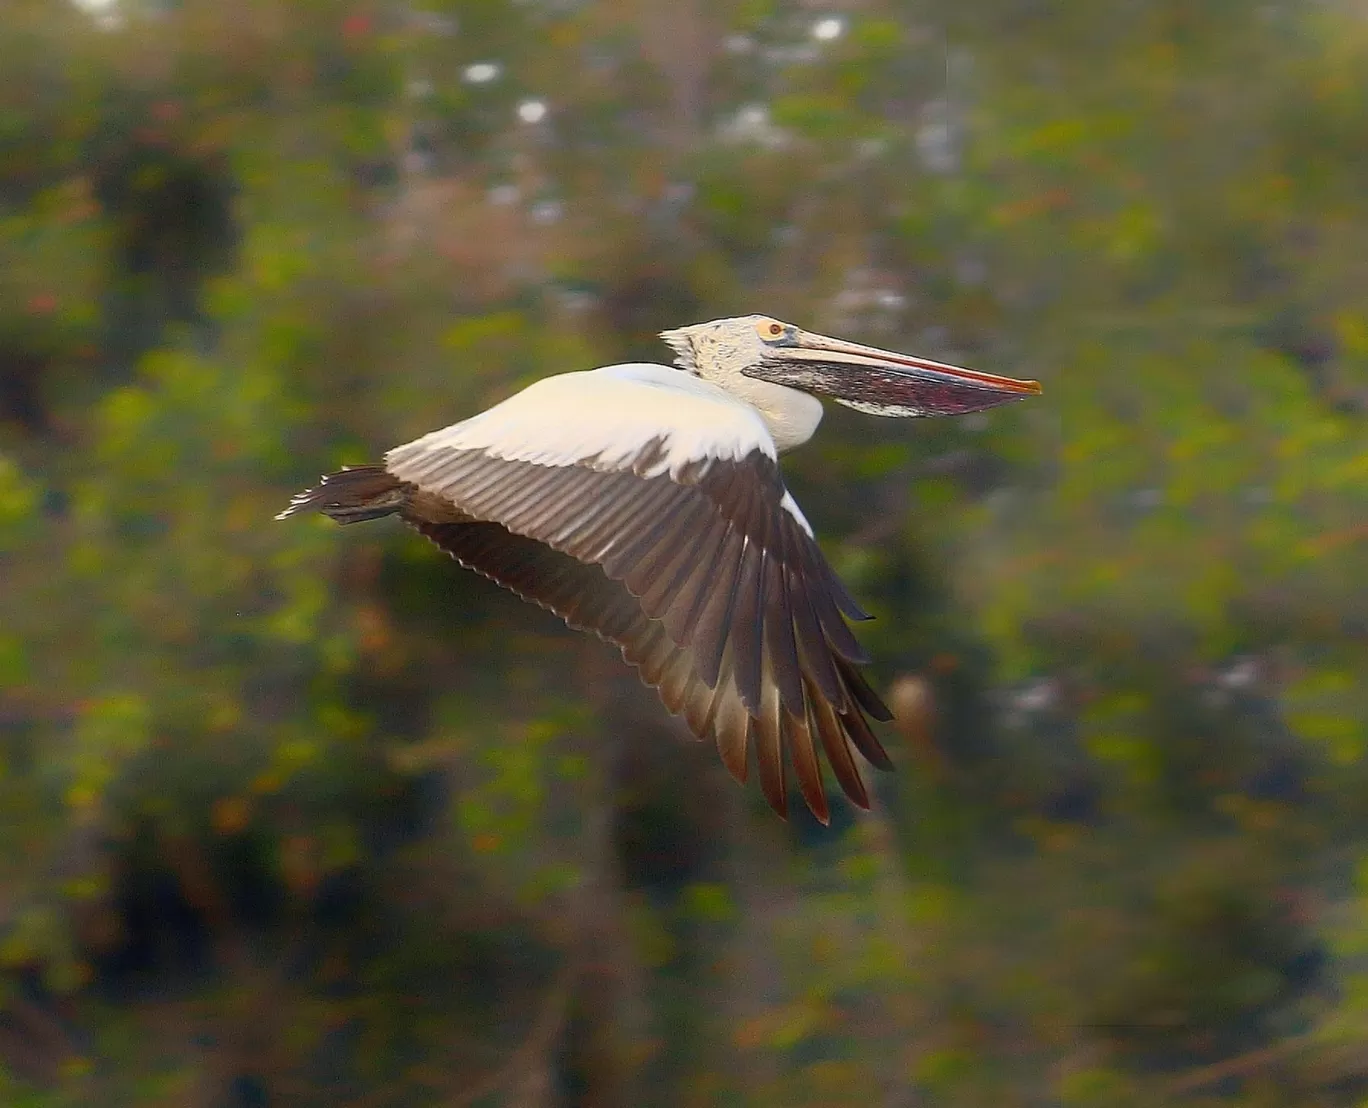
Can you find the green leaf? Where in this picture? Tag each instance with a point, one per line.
(709, 902)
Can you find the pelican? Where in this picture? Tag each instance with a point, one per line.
(644, 503)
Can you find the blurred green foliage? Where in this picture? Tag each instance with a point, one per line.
(290, 815)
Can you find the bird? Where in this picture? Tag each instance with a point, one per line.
(643, 502)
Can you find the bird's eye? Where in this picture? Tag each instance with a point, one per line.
(770, 330)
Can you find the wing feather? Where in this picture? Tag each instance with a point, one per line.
(682, 617)
(713, 589)
(732, 725)
(769, 751)
(780, 642)
(805, 765)
(865, 696)
(710, 634)
(644, 552)
(824, 720)
(605, 534)
(817, 660)
(744, 629)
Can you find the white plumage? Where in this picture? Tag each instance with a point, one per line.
(606, 419)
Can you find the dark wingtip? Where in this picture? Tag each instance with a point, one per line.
(351, 495)
(877, 756)
(864, 693)
(878, 709)
(305, 501)
(777, 797)
(862, 735)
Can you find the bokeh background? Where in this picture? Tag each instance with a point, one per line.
(291, 815)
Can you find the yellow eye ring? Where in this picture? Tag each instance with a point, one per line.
(771, 329)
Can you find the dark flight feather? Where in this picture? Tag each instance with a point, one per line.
(713, 591)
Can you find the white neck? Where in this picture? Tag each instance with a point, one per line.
(791, 416)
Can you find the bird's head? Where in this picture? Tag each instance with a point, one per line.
(871, 380)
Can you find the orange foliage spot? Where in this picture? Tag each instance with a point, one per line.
(356, 26)
(299, 864)
(945, 663)
(372, 628)
(82, 797)
(79, 212)
(41, 303)
(268, 782)
(1333, 540)
(912, 700)
(225, 716)
(1031, 206)
(485, 842)
(230, 814)
(753, 1033)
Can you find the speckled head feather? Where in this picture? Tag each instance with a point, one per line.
(720, 347)
(678, 340)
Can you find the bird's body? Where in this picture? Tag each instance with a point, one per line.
(644, 503)
(610, 414)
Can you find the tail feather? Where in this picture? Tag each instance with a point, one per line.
(352, 495)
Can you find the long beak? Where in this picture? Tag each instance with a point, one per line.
(884, 383)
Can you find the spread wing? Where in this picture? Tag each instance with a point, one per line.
(688, 554)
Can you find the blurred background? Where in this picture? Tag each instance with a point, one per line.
(291, 815)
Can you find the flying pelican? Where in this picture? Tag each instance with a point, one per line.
(644, 503)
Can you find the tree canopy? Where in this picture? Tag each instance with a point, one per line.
(294, 815)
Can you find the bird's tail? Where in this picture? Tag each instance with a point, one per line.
(353, 494)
